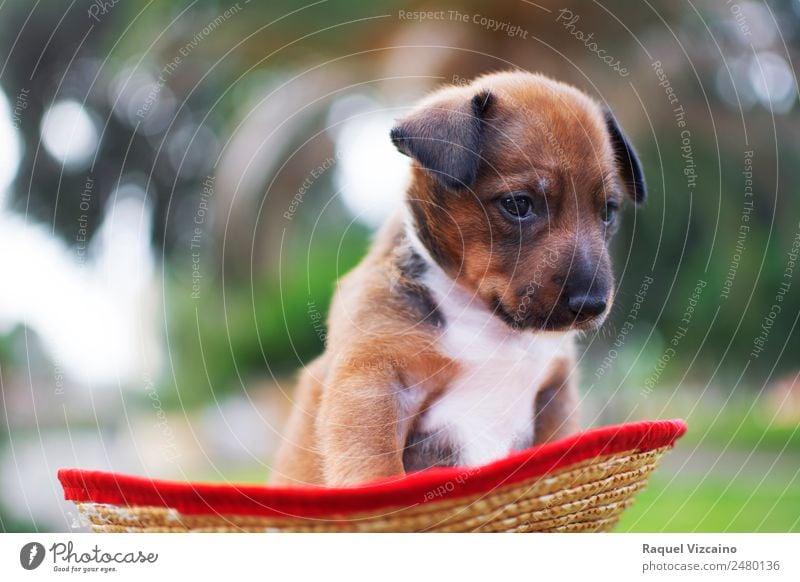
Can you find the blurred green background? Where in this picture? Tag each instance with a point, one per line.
(182, 184)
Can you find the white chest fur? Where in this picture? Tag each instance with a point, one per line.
(488, 409)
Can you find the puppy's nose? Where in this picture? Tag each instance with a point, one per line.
(587, 305)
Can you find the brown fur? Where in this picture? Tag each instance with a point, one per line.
(519, 132)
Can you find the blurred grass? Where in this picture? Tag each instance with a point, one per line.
(715, 505)
(735, 469)
(742, 427)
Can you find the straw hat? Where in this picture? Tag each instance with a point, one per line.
(581, 483)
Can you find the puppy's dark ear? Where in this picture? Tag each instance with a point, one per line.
(445, 138)
(630, 168)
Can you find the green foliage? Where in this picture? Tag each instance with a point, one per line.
(239, 330)
(682, 237)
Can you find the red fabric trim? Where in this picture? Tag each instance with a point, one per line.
(413, 489)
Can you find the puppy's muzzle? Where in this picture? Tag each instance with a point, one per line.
(586, 291)
(587, 306)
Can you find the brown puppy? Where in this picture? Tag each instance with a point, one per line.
(452, 342)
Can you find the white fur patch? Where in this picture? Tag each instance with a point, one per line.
(488, 409)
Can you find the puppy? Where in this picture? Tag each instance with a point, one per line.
(452, 342)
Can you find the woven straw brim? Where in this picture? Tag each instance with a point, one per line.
(589, 496)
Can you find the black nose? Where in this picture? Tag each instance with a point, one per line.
(587, 305)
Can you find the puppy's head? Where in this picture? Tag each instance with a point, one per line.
(517, 180)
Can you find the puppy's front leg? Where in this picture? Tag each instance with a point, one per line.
(556, 407)
(358, 428)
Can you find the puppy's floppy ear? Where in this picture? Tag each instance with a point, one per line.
(445, 138)
(630, 168)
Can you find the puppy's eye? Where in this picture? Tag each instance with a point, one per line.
(517, 205)
(609, 212)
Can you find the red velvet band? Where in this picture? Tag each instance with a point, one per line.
(413, 489)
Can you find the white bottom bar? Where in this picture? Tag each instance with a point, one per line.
(389, 557)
